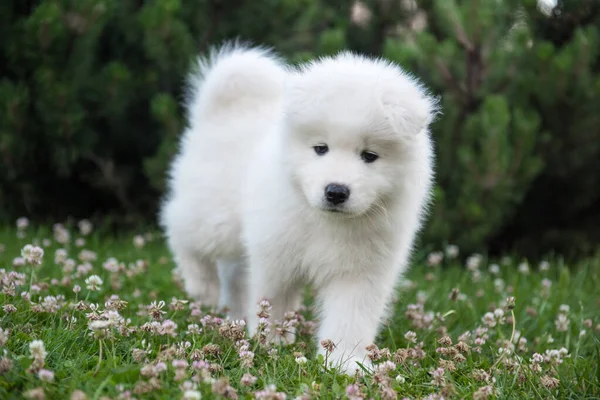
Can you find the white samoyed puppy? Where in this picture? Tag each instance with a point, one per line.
(286, 176)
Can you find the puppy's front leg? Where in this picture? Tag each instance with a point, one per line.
(352, 308)
(266, 282)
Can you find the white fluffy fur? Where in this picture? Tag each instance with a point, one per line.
(246, 217)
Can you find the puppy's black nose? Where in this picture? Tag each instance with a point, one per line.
(336, 194)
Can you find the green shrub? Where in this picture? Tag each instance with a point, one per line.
(487, 136)
(561, 210)
(520, 121)
(83, 84)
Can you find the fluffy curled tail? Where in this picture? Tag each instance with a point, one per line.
(231, 75)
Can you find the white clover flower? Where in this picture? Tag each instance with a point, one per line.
(179, 364)
(524, 268)
(494, 269)
(3, 336)
(85, 227)
(562, 323)
(438, 377)
(435, 258)
(113, 317)
(537, 358)
(98, 328)
(139, 241)
(489, 319)
(99, 324)
(474, 262)
(499, 284)
(94, 282)
(18, 262)
(411, 336)
(22, 223)
(546, 283)
(38, 350)
(452, 251)
(60, 256)
(360, 14)
(193, 329)
(191, 395)
(386, 367)
(61, 234)
(301, 360)
(32, 254)
(564, 308)
(87, 256)
(111, 264)
(248, 379)
(46, 375)
(69, 266)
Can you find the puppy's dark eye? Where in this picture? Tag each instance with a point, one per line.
(321, 149)
(369, 156)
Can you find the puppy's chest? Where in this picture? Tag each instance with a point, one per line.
(326, 252)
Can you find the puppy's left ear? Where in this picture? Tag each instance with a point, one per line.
(409, 111)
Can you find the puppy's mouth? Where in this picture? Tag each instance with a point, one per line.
(334, 210)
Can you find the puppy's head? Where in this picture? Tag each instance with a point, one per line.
(352, 131)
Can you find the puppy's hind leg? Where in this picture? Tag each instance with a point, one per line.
(200, 277)
(234, 288)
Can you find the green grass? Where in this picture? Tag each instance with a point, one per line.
(122, 372)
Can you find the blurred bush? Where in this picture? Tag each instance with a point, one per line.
(519, 141)
(90, 105)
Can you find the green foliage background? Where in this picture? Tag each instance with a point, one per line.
(90, 104)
